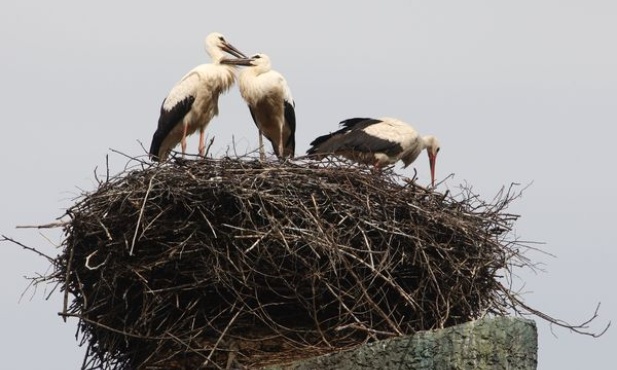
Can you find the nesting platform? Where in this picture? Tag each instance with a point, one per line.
(232, 263)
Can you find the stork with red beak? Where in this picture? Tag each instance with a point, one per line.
(377, 142)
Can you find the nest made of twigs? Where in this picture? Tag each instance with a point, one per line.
(208, 263)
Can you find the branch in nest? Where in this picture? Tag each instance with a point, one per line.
(50, 225)
(582, 328)
(41, 254)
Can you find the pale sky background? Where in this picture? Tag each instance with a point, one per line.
(517, 91)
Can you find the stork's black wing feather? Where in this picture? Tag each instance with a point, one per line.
(167, 121)
(357, 123)
(318, 141)
(348, 125)
(253, 116)
(290, 119)
(360, 141)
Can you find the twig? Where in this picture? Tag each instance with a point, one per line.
(69, 270)
(221, 338)
(7, 239)
(577, 328)
(92, 268)
(209, 146)
(141, 213)
(134, 159)
(50, 225)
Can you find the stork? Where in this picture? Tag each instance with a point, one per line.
(193, 101)
(269, 99)
(379, 142)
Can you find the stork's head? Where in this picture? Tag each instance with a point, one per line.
(432, 147)
(217, 46)
(260, 62)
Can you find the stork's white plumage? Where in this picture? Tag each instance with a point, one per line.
(193, 101)
(269, 99)
(379, 142)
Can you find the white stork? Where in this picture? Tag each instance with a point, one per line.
(379, 142)
(269, 99)
(193, 101)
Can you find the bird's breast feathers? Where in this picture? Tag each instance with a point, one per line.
(206, 79)
(254, 87)
(217, 77)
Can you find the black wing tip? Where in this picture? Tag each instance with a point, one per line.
(351, 122)
(317, 142)
(290, 114)
(155, 146)
(168, 119)
(290, 147)
(321, 139)
(312, 153)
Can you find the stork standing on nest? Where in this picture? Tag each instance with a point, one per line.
(193, 102)
(269, 99)
(379, 142)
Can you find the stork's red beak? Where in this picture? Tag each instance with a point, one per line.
(229, 48)
(432, 158)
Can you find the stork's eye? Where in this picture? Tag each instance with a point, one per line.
(257, 56)
(222, 38)
(437, 151)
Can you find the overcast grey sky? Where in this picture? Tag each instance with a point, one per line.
(519, 91)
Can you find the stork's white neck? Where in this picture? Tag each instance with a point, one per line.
(216, 54)
(260, 68)
(430, 141)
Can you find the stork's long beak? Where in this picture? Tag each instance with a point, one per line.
(237, 62)
(229, 48)
(432, 158)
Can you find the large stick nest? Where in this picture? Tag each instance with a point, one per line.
(208, 263)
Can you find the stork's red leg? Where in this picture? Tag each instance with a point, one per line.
(202, 143)
(183, 143)
(281, 145)
(262, 153)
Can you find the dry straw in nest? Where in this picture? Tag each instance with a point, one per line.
(205, 263)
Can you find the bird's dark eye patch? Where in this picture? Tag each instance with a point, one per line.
(437, 151)
(256, 56)
(221, 38)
